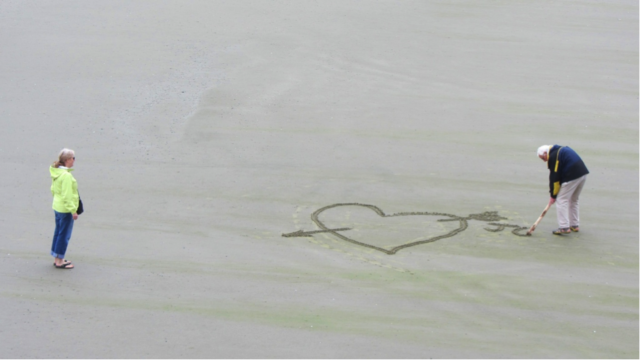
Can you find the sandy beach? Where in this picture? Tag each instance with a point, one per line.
(205, 130)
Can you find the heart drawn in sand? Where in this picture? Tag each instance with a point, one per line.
(315, 217)
(445, 232)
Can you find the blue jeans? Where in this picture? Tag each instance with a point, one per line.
(62, 234)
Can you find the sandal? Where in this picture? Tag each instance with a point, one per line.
(65, 261)
(64, 266)
(560, 231)
(575, 228)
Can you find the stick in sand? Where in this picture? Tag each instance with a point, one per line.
(544, 212)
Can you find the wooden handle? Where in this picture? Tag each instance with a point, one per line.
(544, 212)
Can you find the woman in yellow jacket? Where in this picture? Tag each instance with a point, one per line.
(64, 189)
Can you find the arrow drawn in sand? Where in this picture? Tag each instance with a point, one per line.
(487, 216)
(301, 233)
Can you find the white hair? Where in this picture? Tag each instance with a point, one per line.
(544, 149)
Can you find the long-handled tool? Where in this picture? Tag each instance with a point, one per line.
(544, 212)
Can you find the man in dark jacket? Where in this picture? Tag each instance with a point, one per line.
(567, 175)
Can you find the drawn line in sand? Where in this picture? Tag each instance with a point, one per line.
(358, 257)
(463, 221)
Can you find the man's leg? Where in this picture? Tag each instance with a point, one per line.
(574, 208)
(562, 205)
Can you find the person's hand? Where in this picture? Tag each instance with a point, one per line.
(551, 201)
(75, 216)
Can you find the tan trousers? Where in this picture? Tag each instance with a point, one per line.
(567, 202)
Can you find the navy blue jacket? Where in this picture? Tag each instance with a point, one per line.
(565, 167)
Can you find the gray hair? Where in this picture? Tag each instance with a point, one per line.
(65, 154)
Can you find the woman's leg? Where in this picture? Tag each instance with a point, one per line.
(56, 233)
(64, 228)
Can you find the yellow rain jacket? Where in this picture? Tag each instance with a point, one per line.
(64, 189)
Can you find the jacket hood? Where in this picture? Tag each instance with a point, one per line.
(56, 172)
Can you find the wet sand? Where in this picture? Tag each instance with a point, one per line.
(205, 130)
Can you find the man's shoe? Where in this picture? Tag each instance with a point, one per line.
(560, 231)
(574, 228)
